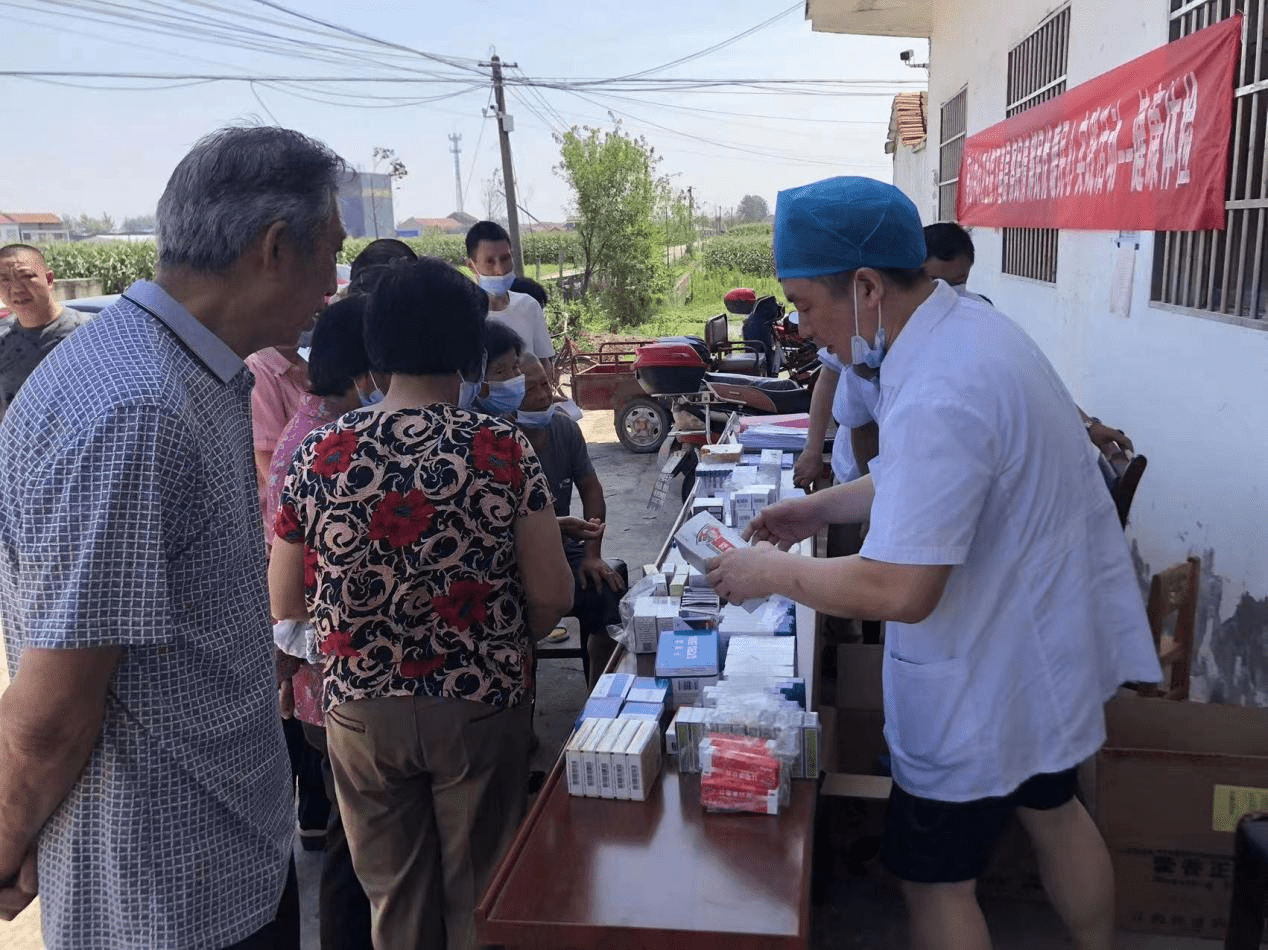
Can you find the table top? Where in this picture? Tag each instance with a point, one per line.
(594, 873)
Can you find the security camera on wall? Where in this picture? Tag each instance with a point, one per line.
(907, 55)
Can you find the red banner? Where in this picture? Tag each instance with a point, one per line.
(1143, 147)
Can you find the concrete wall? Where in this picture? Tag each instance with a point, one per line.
(913, 176)
(1189, 389)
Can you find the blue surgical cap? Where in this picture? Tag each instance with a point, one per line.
(842, 224)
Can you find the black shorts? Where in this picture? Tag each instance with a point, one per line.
(932, 842)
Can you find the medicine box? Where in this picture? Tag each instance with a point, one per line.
(589, 755)
(643, 759)
(604, 758)
(646, 689)
(703, 538)
(687, 654)
(620, 760)
(653, 616)
(572, 758)
(612, 686)
(651, 711)
(601, 709)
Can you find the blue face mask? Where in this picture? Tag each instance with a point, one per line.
(497, 286)
(468, 391)
(504, 397)
(371, 398)
(538, 419)
(861, 353)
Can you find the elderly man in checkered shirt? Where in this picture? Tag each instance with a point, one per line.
(141, 756)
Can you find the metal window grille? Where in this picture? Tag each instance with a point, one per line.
(954, 129)
(1037, 68)
(1223, 272)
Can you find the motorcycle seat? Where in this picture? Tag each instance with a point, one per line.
(760, 392)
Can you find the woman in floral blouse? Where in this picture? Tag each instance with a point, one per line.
(418, 535)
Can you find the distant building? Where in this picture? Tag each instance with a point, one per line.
(365, 202)
(449, 225)
(33, 228)
(908, 133)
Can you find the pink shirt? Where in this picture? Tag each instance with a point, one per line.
(280, 385)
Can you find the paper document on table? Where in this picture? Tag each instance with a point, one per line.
(775, 432)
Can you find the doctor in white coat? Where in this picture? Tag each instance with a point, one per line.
(994, 552)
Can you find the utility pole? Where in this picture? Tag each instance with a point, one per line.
(505, 126)
(691, 216)
(456, 140)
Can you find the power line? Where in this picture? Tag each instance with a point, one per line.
(799, 5)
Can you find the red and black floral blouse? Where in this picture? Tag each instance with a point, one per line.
(407, 520)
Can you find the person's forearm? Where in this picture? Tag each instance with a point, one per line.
(40, 762)
(852, 586)
(850, 503)
(865, 443)
(593, 506)
(821, 410)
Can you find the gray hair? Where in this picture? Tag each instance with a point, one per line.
(237, 182)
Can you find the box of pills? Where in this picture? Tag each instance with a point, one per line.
(643, 760)
(646, 689)
(572, 758)
(601, 709)
(687, 654)
(612, 686)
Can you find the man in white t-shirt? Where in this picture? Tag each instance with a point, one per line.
(994, 553)
(489, 256)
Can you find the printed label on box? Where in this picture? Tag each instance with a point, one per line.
(1231, 802)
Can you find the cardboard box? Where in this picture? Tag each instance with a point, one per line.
(652, 617)
(860, 715)
(1169, 782)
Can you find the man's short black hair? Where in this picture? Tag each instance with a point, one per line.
(840, 284)
(526, 285)
(426, 318)
(499, 339)
(485, 231)
(946, 241)
(337, 356)
(13, 250)
(377, 254)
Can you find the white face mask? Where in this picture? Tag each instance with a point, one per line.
(468, 391)
(498, 286)
(534, 419)
(861, 352)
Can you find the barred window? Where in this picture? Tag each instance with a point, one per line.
(954, 126)
(1222, 272)
(1037, 68)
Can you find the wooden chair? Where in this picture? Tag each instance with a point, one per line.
(1173, 603)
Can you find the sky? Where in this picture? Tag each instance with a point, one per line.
(72, 150)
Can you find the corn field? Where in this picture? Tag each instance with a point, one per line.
(117, 265)
(747, 254)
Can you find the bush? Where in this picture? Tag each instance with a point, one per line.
(116, 264)
(749, 254)
(453, 248)
(754, 228)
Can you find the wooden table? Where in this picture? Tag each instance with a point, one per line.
(591, 874)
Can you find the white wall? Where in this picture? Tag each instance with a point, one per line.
(1191, 391)
(913, 176)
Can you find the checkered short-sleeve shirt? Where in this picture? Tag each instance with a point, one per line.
(129, 517)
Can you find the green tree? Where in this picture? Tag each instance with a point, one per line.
(752, 208)
(141, 224)
(88, 226)
(616, 197)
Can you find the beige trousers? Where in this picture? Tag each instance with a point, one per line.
(431, 791)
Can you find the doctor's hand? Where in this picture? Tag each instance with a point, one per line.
(744, 573)
(808, 472)
(785, 523)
